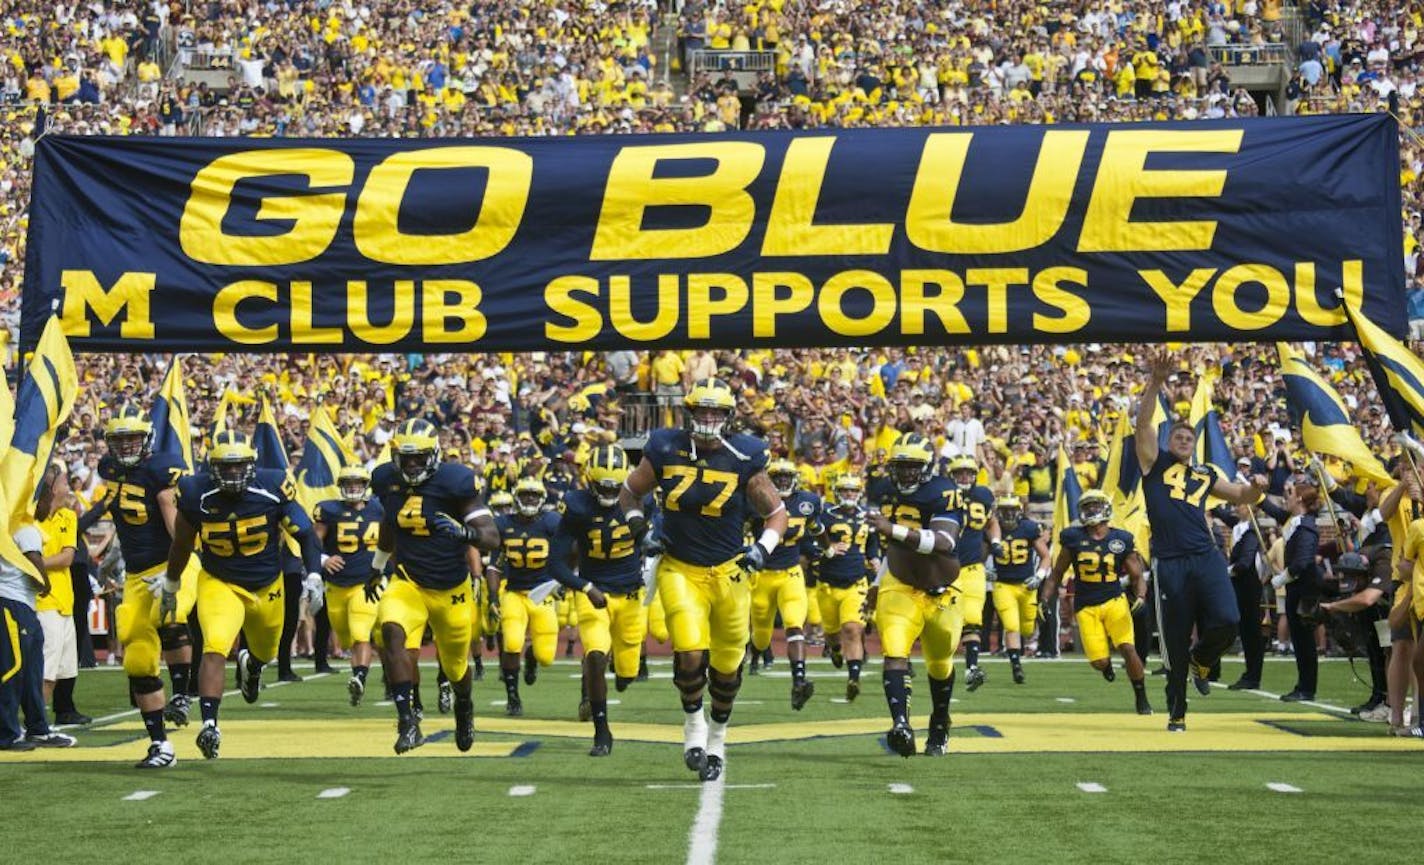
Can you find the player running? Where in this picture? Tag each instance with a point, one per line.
(1099, 556)
(1020, 566)
(348, 530)
(917, 597)
(433, 514)
(978, 540)
(712, 481)
(527, 538)
(849, 557)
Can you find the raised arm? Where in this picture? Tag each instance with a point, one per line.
(1146, 433)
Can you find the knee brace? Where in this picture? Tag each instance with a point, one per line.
(970, 631)
(145, 684)
(691, 682)
(174, 636)
(724, 688)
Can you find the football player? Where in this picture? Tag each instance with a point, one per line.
(978, 540)
(712, 480)
(608, 585)
(849, 557)
(917, 598)
(780, 586)
(348, 529)
(433, 515)
(142, 489)
(1020, 566)
(239, 512)
(527, 539)
(1099, 556)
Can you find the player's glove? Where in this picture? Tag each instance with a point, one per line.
(814, 551)
(492, 616)
(637, 524)
(1046, 606)
(1136, 605)
(996, 548)
(168, 603)
(449, 527)
(753, 557)
(653, 546)
(375, 584)
(312, 591)
(1037, 579)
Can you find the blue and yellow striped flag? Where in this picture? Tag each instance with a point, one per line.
(43, 402)
(1398, 373)
(324, 454)
(172, 428)
(271, 454)
(1069, 490)
(9, 550)
(1324, 421)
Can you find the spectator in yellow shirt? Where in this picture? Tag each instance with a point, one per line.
(59, 526)
(667, 383)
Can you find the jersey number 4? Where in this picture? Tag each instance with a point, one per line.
(411, 516)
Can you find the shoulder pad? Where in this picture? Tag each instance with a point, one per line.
(1070, 535)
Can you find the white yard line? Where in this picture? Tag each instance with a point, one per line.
(140, 795)
(522, 790)
(1282, 787)
(901, 789)
(333, 792)
(700, 786)
(702, 840)
(1329, 707)
(1091, 787)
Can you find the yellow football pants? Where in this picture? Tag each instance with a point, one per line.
(773, 591)
(1110, 620)
(352, 616)
(225, 609)
(839, 606)
(619, 629)
(657, 618)
(972, 585)
(904, 614)
(446, 611)
(136, 618)
(708, 608)
(1017, 606)
(519, 616)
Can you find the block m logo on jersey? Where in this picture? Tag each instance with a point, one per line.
(456, 600)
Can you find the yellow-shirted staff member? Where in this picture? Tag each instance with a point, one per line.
(60, 528)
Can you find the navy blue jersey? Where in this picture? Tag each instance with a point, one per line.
(1017, 560)
(1175, 494)
(429, 559)
(704, 499)
(351, 532)
(878, 486)
(976, 507)
(525, 547)
(608, 554)
(842, 526)
(1098, 564)
(803, 519)
(133, 504)
(241, 535)
(935, 499)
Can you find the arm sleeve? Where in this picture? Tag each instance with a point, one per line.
(94, 514)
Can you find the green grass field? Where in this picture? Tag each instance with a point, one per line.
(813, 786)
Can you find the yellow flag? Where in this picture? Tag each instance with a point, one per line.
(324, 454)
(43, 402)
(1325, 425)
(9, 550)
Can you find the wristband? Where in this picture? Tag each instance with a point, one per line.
(172, 586)
(634, 514)
(379, 559)
(927, 542)
(899, 533)
(769, 540)
(586, 587)
(324, 559)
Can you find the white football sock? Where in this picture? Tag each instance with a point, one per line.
(717, 740)
(694, 731)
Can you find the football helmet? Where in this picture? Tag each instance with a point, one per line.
(233, 461)
(415, 449)
(1009, 510)
(709, 406)
(502, 503)
(529, 497)
(354, 482)
(783, 476)
(1094, 507)
(606, 470)
(964, 471)
(129, 434)
(911, 463)
(848, 490)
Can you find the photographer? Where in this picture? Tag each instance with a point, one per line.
(1368, 592)
(1302, 577)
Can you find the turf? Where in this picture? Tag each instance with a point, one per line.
(816, 786)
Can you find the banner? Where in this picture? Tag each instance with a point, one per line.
(1208, 231)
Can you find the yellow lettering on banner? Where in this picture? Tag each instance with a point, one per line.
(1123, 178)
(1178, 298)
(633, 189)
(915, 303)
(1307, 303)
(620, 308)
(303, 331)
(929, 221)
(559, 297)
(767, 305)
(437, 310)
(359, 316)
(225, 311)
(791, 228)
(1047, 287)
(84, 294)
(700, 305)
(997, 280)
(314, 216)
(1229, 311)
(832, 298)
(376, 229)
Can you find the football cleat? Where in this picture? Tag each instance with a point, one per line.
(585, 711)
(1177, 725)
(52, 739)
(1109, 674)
(1143, 707)
(801, 694)
(1018, 674)
(974, 677)
(445, 698)
(356, 688)
(1201, 678)
(901, 740)
(464, 723)
(209, 741)
(417, 708)
(694, 759)
(937, 745)
(602, 745)
(248, 683)
(514, 709)
(160, 756)
(837, 657)
(852, 690)
(711, 769)
(176, 712)
(408, 736)
(531, 666)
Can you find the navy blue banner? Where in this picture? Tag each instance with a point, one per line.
(1203, 231)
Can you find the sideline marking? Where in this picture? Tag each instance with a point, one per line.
(1065, 699)
(522, 790)
(901, 789)
(1329, 707)
(140, 795)
(1091, 787)
(702, 839)
(1281, 787)
(333, 792)
(700, 786)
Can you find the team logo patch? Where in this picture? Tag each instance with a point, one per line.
(806, 508)
(1116, 546)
